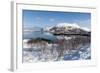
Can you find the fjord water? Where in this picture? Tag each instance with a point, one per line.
(38, 34)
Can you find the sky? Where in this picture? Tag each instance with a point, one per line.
(36, 18)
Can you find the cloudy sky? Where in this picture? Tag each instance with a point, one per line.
(34, 18)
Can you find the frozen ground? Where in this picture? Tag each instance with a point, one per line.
(35, 54)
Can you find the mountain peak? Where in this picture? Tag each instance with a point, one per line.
(74, 25)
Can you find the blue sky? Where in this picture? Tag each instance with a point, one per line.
(37, 18)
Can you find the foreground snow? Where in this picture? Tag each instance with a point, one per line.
(36, 55)
(83, 53)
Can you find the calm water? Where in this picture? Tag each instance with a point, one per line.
(38, 34)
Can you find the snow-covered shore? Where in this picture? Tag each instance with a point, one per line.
(35, 55)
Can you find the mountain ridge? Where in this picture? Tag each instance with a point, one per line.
(67, 28)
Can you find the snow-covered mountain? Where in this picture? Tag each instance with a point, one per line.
(48, 28)
(67, 28)
(73, 25)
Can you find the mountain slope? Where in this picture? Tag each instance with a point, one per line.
(67, 28)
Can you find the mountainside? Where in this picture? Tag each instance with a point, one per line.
(66, 28)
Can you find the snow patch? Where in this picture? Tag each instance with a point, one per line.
(74, 25)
